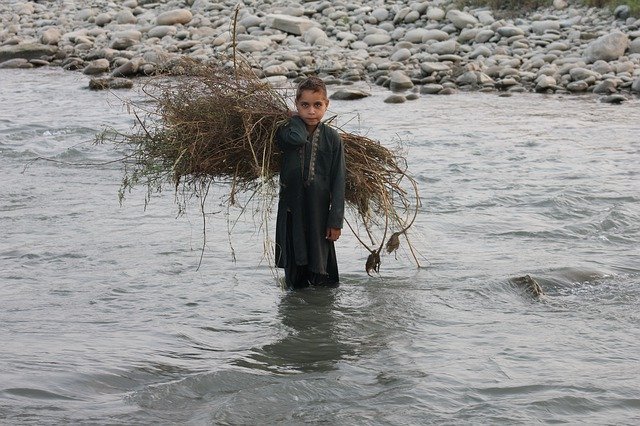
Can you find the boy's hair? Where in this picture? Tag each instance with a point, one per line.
(315, 84)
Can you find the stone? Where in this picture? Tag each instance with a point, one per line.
(377, 39)
(431, 67)
(248, 46)
(431, 89)
(110, 83)
(399, 81)
(401, 55)
(482, 50)
(437, 35)
(125, 17)
(579, 73)
(128, 69)
(415, 35)
(435, 13)
(541, 27)
(545, 82)
(613, 99)
(484, 36)
(103, 19)
(622, 12)
(605, 88)
(173, 17)
(578, 86)
(161, 31)
(510, 31)
(607, 48)
(461, 19)
(448, 47)
(635, 86)
(349, 94)
(380, 14)
(26, 51)
(97, 66)
(289, 24)
(634, 46)
(51, 36)
(16, 63)
(313, 35)
(395, 99)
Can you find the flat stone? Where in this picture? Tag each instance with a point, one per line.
(173, 17)
(26, 51)
(16, 63)
(349, 94)
(431, 67)
(290, 24)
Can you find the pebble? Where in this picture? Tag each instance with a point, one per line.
(434, 45)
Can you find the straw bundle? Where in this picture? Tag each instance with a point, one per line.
(212, 123)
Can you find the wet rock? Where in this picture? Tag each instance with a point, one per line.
(613, 99)
(529, 285)
(97, 66)
(399, 81)
(395, 99)
(16, 63)
(110, 83)
(349, 94)
(26, 51)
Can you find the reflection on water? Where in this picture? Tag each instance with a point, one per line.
(313, 340)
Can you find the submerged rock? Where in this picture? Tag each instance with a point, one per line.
(529, 285)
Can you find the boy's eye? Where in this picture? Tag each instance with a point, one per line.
(318, 104)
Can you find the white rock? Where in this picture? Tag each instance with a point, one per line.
(635, 86)
(447, 47)
(125, 17)
(510, 31)
(484, 36)
(313, 35)
(461, 19)
(98, 66)
(377, 39)
(381, 14)
(401, 55)
(634, 46)
(541, 27)
(437, 35)
(51, 36)
(415, 35)
(486, 17)
(560, 4)
(252, 46)
(103, 19)
(173, 17)
(289, 24)
(435, 14)
(162, 31)
(431, 67)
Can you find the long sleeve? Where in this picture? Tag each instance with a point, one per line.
(338, 178)
(292, 134)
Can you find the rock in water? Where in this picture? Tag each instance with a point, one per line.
(529, 285)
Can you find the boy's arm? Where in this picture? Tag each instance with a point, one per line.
(292, 134)
(338, 176)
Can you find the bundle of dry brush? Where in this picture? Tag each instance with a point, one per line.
(211, 123)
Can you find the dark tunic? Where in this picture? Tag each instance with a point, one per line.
(312, 185)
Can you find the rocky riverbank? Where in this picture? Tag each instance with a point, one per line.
(411, 47)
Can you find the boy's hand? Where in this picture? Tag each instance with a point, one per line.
(333, 234)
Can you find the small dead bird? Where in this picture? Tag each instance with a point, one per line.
(373, 262)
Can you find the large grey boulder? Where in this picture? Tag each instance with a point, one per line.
(607, 48)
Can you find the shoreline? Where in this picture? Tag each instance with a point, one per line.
(410, 48)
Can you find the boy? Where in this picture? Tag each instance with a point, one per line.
(312, 185)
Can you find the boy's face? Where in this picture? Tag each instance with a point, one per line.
(311, 106)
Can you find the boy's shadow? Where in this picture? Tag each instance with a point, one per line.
(314, 341)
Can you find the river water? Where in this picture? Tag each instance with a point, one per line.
(106, 318)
